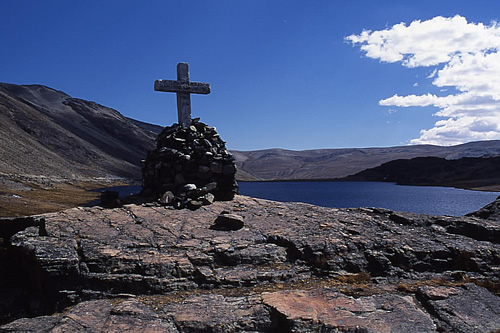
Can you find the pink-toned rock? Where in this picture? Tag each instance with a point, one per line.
(317, 309)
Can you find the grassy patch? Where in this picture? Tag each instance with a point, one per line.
(42, 199)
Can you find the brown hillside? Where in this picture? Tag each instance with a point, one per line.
(46, 132)
(281, 164)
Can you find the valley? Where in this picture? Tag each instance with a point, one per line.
(55, 148)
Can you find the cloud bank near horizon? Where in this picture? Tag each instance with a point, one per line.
(467, 58)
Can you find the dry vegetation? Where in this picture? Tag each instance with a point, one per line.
(29, 198)
(355, 285)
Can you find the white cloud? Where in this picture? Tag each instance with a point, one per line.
(458, 130)
(467, 58)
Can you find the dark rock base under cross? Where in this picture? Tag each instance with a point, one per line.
(190, 167)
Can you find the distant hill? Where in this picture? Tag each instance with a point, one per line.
(467, 172)
(46, 132)
(281, 164)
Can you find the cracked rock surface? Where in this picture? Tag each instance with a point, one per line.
(290, 267)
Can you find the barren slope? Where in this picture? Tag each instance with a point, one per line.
(281, 164)
(46, 132)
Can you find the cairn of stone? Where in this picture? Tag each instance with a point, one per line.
(190, 167)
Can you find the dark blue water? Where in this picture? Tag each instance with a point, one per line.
(416, 199)
(122, 190)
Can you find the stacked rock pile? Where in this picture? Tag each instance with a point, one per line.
(190, 167)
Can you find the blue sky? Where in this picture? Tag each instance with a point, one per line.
(284, 74)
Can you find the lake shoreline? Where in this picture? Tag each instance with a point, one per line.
(431, 200)
(29, 197)
(471, 187)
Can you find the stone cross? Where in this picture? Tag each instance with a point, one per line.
(183, 88)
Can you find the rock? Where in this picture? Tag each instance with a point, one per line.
(194, 204)
(228, 222)
(212, 313)
(167, 199)
(189, 187)
(179, 179)
(312, 310)
(11, 225)
(190, 156)
(229, 169)
(207, 199)
(490, 212)
(468, 308)
(211, 186)
(110, 199)
(216, 167)
(98, 316)
(203, 169)
(292, 267)
(331, 311)
(201, 313)
(179, 204)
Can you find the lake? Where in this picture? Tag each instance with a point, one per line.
(123, 190)
(416, 199)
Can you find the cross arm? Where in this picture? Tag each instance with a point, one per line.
(187, 87)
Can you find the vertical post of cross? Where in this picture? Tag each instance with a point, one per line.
(183, 98)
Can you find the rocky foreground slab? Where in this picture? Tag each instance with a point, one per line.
(250, 265)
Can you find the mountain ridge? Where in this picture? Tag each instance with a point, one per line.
(317, 164)
(45, 131)
(466, 172)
